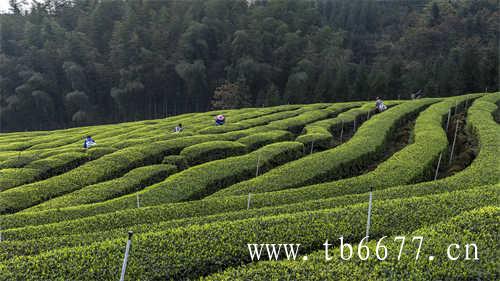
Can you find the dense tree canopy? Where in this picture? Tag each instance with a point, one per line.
(74, 62)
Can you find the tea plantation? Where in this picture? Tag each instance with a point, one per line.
(297, 174)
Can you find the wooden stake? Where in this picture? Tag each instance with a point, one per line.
(125, 259)
(438, 164)
(257, 170)
(448, 121)
(453, 145)
(341, 131)
(369, 214)
(248, 201)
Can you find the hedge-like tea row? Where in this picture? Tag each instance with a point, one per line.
(210, 151)
(482, 171)
(203, 179)
(325, 134)
(33, 240)
(109, 166)
(257, 140)
(479, 226)
(50, 140)
(20, 161)
(413, 163)
(204, 123)
(105, 168)
(291, 111)
(252, 122)
(132, 181)
(199, 250)
(44, 168)
(367, 144)
(319, 132)
(297, 123)
(179, 161)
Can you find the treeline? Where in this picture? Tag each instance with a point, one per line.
(77, 62)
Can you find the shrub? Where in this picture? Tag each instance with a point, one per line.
(203, 179)
(209, 151)
(473, 226)
(319, 132)
(19, 161)
(12, 177)
(132, 181)
(297, 123)
(366, 145)
(257, 140)
(179, 161)
(482, 171)
(45, 168)
(253, 118)
(218, 245)
(105, 168)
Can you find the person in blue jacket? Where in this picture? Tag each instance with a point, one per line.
(88, 142)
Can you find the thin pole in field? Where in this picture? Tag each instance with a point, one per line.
(368, 115)
(438, 164)
(369, 214)
(248, 201)
(453, 145)
(312, 147)
(137, 197)
(448, 121)
(257, 170)
(341, 131)
(125, 259)
(354, 125)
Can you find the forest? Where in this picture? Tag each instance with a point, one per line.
(66, 63)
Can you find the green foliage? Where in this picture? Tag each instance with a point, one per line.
(225, 242)
(257, 140)
(209, 151)
(476, 226)
(75, 63)
(201, 180)
(368, 143)
(78, 217)
(131, 182)
(177, 160)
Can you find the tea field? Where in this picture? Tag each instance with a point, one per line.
(300, 174)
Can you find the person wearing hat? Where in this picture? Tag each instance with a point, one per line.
(219, 120)
(379, 105)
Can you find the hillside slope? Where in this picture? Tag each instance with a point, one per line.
(286, 174)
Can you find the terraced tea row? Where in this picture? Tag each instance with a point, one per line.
(221, 187)
(366, 144)
(37, 193)
(481, 123)
(222, 244)
(476, 226)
